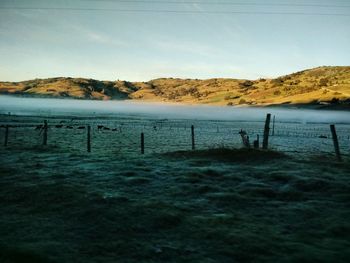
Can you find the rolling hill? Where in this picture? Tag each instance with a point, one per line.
(317, 86)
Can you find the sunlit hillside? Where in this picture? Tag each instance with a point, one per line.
(322, 85)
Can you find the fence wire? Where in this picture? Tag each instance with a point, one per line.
(122, 135)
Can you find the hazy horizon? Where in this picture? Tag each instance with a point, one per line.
(53, 106)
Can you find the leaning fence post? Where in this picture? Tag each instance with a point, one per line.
(192, 136)
(89, 138)
(45, 133)
(142, 143)
(335, 142)
(266, 131)
(6, 135)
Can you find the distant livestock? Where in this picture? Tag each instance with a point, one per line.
(102, 127)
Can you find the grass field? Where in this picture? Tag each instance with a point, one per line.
(62, 204)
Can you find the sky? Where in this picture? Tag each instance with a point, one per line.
(140, 40)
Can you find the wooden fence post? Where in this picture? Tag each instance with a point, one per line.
(89, 138)
(273, 126)
(142, 143)
(45, 133)
(266, 131)
(6, 135)
(192, 136)
(335, 142)
(256, 142)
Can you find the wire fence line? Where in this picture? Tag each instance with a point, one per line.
(123, 136)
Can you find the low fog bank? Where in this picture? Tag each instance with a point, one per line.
(43, 106)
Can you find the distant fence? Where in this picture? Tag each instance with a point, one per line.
(142, 136)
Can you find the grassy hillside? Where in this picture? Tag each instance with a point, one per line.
(70, 87)
(320, 85)
(323, 84)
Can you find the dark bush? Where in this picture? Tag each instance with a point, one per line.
(323, 82)
(242, 101)
(246, 84)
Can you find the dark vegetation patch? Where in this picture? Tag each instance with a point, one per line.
(21, 255)
(229, 154)
(217, 205)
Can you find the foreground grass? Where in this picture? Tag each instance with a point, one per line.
(230, 154)
(193, 207)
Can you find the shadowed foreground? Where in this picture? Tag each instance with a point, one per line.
(177, 207)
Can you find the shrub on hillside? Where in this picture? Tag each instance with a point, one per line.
(242, 101)
(246, 84)
(277, 92)
(323, 82)
(277, 82)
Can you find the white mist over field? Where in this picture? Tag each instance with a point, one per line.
(43, 106)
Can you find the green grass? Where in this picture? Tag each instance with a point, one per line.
(217, 205)
(21, 255)
(230, 154)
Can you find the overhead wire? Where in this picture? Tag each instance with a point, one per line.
(174, 11)
(223, 3)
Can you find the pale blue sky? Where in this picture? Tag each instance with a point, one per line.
(123, 42)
